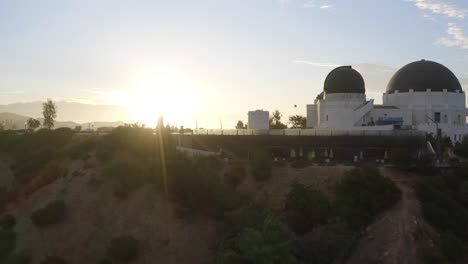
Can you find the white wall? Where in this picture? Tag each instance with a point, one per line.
(259, 119)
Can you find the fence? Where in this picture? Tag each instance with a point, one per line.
(306, 132)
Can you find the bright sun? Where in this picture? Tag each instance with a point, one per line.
(168, 95)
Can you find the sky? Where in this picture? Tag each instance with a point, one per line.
(214, 60)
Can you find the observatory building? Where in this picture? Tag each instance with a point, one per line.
(423, 95)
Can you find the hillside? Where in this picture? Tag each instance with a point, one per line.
(15, 121)
(89, 191)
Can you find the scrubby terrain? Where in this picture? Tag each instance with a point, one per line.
(129, 197)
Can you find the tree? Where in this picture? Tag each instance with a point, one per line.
(275, 121)
(240, 125)
(298, 121)
(2, 127)
(49, 111)
(32, 124)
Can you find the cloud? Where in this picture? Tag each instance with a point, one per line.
(314, 3)
(456, 37)
(438, 7)
(431, 18)
(326, 6)
(318, 64)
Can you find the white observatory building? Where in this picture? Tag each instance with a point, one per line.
(423, 95)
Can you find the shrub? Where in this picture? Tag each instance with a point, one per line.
(51, 214)
(202, 190)
(326, 244)
(127, 174)
(250, 216)
(307, 208)
(362, 194)
(54, 260)
(80, 148)
(236, 175)
(7, 243)
(261, 164)
(401, 158)
(7, 222)
(270, 244)
(123, 248)
(451, 246)
(462, 148)
(18, 258)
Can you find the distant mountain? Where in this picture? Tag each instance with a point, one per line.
(15, 121)
(76, 112)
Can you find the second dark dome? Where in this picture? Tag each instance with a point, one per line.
(344, 79)
(423, 75)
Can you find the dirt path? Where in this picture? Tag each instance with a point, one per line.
(394, 236)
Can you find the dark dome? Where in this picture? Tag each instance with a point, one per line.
(344, 79)
(423, 75)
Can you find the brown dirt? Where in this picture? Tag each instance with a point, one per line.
(397, 234)
(94, 216)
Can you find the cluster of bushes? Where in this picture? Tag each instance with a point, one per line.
(327, 230)
(306, 208)
(261, 164)
(254, 235)
(122, 249)
(461, 149)
(52, 213)
(31, 151)
(445, 205)
(318, 231)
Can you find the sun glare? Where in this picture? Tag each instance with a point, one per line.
(168, 95)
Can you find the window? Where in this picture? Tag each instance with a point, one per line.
(459, 119)
(437, 117)
(455, 137)
(445, 118)
(327, 117)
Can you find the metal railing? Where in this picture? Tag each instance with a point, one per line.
(305, 132)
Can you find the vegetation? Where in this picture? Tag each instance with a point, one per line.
(53, 260)
(307, 208)
(275, 121)
(7, 222)
(18, 258)
(443, 200)
(32, 124)
(236, 175)
(7, 243)
(123, 249)
(52, 213)
(49, 111)
(326, 244)
(257, 237)
(461, 149)
(298, 121)
(362, 194)
(401, 158)
(261, 164)
(240, 125)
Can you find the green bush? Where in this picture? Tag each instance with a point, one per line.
(299, 164)
(401, 158)
(236, 175)
(127, 174)
(451, 247)
(327, 244)
(362, 194)
(51, 214)
(250, 216)
(201, 190)
(123, 248)
(461, 149)
(53, 260)
(7, 243)
(7, 222)
(261, 164)
(307, 208)
(270, 244)
(18, 258)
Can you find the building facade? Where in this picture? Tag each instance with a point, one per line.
(423, 95)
